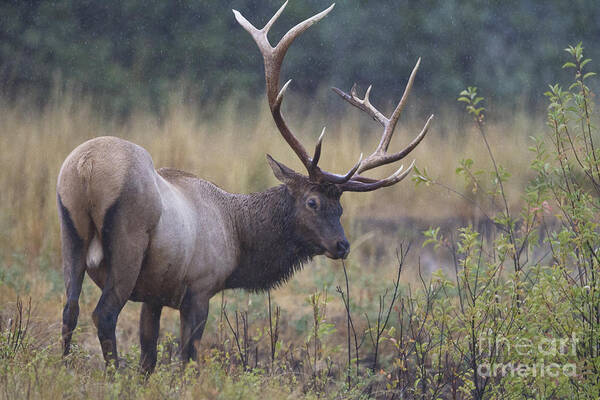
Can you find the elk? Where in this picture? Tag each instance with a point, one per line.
(168, 238)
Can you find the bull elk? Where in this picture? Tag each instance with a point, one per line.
(168, 238)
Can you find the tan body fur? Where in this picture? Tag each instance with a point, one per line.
(166, 204)
(175, 237)
(168, 238)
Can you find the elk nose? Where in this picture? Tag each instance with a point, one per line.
(343, 248)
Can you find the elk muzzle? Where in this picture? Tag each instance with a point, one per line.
(339, 248)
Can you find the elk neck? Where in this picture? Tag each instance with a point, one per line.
(270, 249)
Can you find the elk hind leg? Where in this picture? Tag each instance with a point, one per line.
(73, 261)
(124, 244)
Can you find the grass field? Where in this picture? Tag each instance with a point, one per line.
(227, 146)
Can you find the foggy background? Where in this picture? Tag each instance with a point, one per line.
(131, 54)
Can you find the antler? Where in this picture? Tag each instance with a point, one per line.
(273, 58)
(380, 156)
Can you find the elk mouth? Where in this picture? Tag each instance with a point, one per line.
(335, 256)
(321, 250)
(329, 254)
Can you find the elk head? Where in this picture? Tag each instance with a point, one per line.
(317, 195)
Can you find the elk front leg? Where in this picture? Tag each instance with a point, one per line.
(149, 327)
(193, 314)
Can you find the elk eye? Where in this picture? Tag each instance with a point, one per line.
(312, 203)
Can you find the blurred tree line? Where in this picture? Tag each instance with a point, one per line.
(133, 53)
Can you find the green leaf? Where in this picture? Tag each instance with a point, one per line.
(569, 65)
(432, 236)
(589, 75)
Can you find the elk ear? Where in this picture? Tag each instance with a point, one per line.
(282, 173)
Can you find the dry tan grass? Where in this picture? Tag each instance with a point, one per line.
(228, 149)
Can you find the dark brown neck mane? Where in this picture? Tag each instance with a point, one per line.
(270, 249)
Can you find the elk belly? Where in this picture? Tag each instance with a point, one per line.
(94, 253)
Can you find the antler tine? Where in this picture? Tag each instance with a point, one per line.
(273, 58)
(362, 184)
(329, 177)
(401, 154)
(389, 129)
(317, 153)
(269, 24)
(340, 179)
(297, 30)
(363, 104)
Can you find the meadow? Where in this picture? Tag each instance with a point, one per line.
(497, 267)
